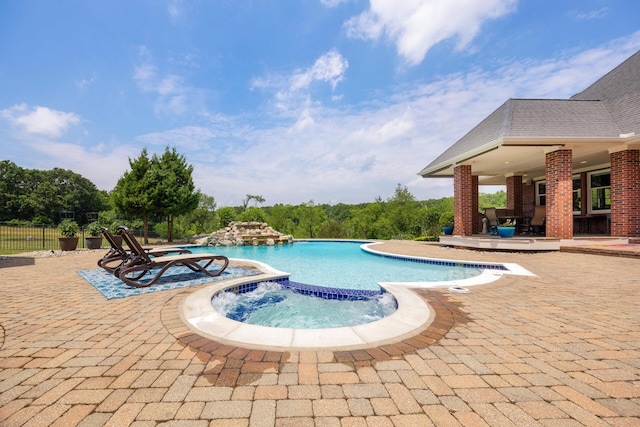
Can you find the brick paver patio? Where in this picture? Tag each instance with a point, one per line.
(560, 349)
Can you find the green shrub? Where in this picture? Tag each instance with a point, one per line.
(94, 229)
(68, 228)
(446, 219)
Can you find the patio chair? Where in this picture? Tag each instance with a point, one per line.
(117, 254)
(140, 263)
(491, 215)
(537, 224)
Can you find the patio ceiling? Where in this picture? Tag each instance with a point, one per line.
(495, 161)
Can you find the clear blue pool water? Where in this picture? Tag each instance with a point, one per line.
(341, 265)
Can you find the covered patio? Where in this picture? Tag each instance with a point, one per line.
(578, 157)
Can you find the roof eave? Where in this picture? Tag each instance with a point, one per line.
(435, 169)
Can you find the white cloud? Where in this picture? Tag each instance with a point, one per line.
(330, 68)
(175, 9)
(174, 95)
(356, 153)
(103, 163)
(415, 26)
(83, 83)
(144, 75)
(333, 3)
(39, 120)
(337, 153)
(185, 138)
(592, 14)
(295, 88)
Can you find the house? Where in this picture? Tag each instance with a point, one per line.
(580, 157)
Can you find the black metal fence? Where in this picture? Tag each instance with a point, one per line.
(32, 237)
(16, 238)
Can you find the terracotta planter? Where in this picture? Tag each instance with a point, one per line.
(68, 243)
(93, 242)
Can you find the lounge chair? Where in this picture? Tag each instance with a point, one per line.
(140, 263)
(491, 215)
(537, 224)
(118, 254)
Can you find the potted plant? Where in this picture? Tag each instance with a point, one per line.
(113, 228)
(446, 221)
(94, 235)
(507, 229)
(68, 228)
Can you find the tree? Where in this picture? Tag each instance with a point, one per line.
(310, 218)
(226, 215)
(12, 190)
(332, 229)
(402, 212)
(132, 194)
(203, 218)
(369, 221)
(497, 199)
(173, 192)
(246, 200)
(160, 186)
(252, 213)
(281, 217)
(27, 194)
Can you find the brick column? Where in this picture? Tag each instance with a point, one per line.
(463, 200)
(514, 194)
(559, 173)
(477, 218)
(528, 200)
(625, 193)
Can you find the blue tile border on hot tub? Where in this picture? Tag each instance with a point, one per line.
(305, 289)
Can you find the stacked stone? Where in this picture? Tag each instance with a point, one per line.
(245, 233)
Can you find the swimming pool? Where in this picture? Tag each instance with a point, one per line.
(412, 315)
(344, 265)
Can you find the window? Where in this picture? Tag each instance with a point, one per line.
(577, 195)
(600, 185)
(541, 193)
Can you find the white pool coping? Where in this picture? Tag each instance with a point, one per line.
(412, 316)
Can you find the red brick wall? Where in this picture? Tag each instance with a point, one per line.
(477, 217)
(463, 200)
(559, 172)
(625, 193)
(514, 194)
(528, 200)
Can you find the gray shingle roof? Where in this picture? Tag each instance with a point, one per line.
(619, 89)
(607, 108)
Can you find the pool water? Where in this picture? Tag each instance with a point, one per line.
(274, 305)
(342, 265)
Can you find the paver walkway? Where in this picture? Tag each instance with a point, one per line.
(559, 349)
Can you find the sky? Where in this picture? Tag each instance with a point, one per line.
(324, 101)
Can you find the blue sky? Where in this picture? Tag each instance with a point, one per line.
(295, 100)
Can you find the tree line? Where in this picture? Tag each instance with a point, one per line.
(157, 194)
